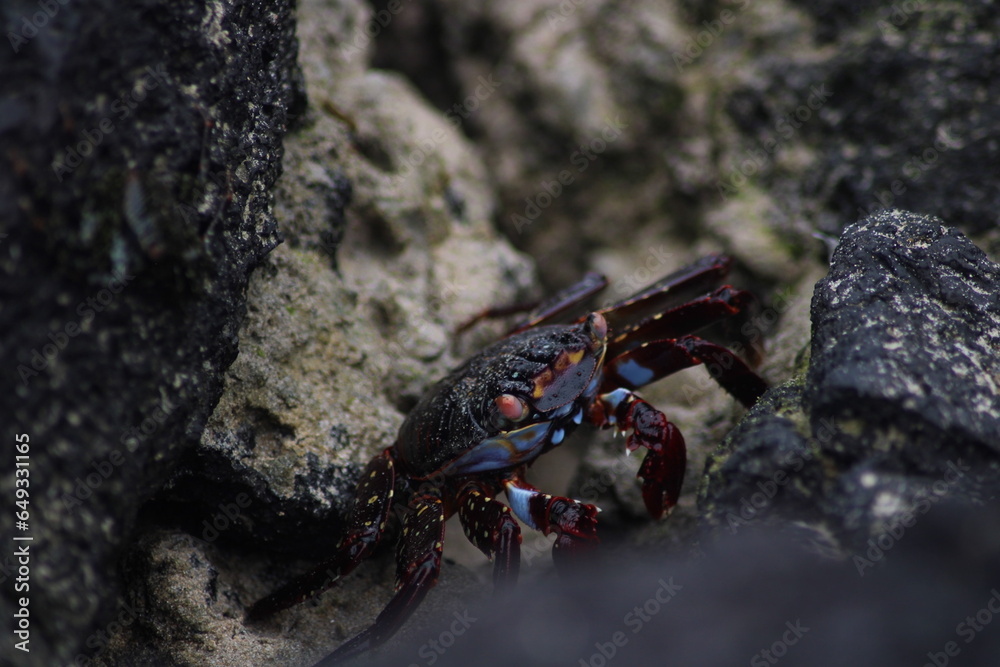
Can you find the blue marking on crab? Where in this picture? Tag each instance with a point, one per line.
(505, 450)
(636, 374)
(518, 499)
(560, 412)
(612, 400)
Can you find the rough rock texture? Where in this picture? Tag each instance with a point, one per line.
(576, 106)
(386, 211)
(603, 139)
(749, 124)
(135, 197)
(889, 104)
(898, 408)
(187, 599)
(910, 313)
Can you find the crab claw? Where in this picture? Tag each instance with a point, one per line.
(662, 471)
(574, 522)
(577, 530)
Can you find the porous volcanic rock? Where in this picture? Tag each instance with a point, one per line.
(899, 407)
(135, 191)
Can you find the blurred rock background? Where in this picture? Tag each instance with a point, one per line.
(438, 157)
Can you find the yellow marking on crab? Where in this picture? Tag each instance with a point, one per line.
(567, 359)
(564, 361)
(373, 499)
(543, 380)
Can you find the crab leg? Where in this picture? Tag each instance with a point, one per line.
(668, 292)
(586, 287)
(373, 498)
(574, 522)
(684, 319)
(541, 311)
(489, 525)
(655, 359)
(662, 471)
(418, 562)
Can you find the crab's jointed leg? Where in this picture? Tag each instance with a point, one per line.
(656, 359)
(418, 563)
(489, 525)
(365, 524)
(541, 312)
(669, 292)
(686, 318)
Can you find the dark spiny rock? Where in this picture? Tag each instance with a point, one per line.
(899, 407)
(909, 316)
(139, 144)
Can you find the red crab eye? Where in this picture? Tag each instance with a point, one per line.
(511, 407)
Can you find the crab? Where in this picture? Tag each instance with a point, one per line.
(474, 434)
